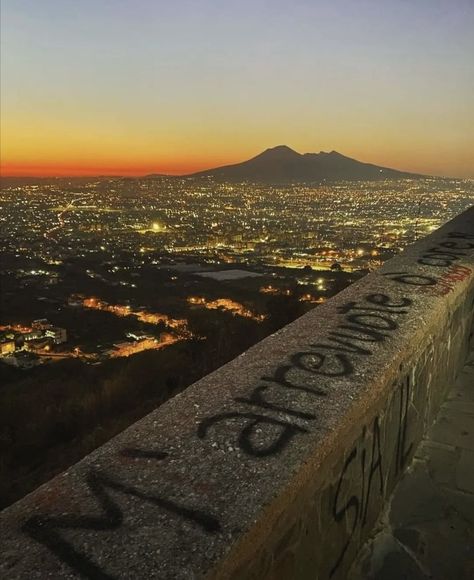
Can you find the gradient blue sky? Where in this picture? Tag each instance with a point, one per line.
(134, 86)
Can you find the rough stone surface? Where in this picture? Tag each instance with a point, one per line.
(428, 529)
(278, 464)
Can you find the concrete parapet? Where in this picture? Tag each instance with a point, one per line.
(278, 464)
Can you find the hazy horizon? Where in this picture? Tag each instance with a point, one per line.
(197, 173)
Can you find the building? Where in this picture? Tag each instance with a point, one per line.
(7, 347)
(40, 324)
(33, 334)
(44, 329)
(58, 334)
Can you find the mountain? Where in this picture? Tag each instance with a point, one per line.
(282, 164)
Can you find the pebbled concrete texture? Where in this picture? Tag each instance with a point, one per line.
(427, 531)
(278, 464)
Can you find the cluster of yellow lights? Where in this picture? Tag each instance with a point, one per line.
(16, 328)
(226, 304)
(129, 348)
(143, 316)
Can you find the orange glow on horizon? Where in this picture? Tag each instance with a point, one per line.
(70, 170)
(185, 166)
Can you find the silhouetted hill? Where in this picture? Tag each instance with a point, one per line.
(155, 176)
(282, 164)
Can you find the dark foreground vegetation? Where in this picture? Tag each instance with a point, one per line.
(54, 415)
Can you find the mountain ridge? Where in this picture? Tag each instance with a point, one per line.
(283, 164)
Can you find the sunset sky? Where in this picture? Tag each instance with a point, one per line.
(140, 86)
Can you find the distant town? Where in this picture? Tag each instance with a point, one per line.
(109, 267)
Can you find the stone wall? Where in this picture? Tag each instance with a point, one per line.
(278, 464)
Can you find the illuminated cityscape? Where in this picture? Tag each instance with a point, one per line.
(151, 250)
